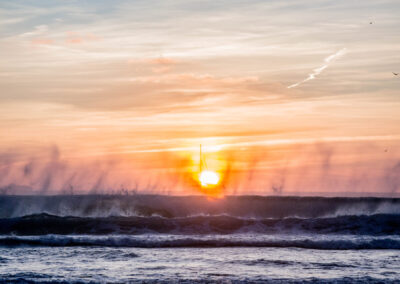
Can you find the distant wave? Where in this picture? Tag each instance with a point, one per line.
(132, 241)
(175, 206)
(43, 224)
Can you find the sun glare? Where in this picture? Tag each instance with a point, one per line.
(208, 178)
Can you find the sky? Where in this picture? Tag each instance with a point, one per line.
(286, 97)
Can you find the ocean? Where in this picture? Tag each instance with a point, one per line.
(195, 239)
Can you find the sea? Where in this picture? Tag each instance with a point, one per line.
(197, 239)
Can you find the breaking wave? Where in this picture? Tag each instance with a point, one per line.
(42, 224)
(187, 206)
(169, 221)
(174, 242)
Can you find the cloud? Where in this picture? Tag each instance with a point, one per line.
(77, 38)
(328, 60)
(162, 64)
(39, 30)
(100, 80)
(42, 41)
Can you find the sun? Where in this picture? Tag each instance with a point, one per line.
(208, 178)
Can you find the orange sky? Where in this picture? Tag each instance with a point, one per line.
(286, 98)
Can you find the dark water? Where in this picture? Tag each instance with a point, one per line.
(138, 238)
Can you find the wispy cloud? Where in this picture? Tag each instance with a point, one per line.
(328, 60)
(108, 74)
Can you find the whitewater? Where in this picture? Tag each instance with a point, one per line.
(235, 239)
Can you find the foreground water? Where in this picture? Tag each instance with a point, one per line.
(110, 264)
(116, 239)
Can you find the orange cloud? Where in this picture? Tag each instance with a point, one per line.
(74, 40)
(157, 65)
(162, 61)
(161, 64)
(77, 38)
(42, 41)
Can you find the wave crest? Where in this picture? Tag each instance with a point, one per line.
(130, 241)
(42, 224)
(174, 206)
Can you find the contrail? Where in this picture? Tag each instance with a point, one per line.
(328, 60)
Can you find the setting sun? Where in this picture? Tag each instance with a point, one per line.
(208, 178)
